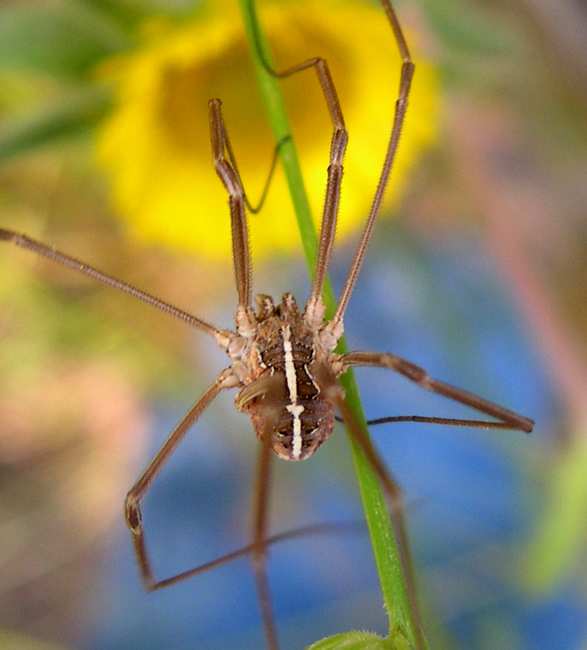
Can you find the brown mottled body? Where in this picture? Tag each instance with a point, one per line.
(280, 391)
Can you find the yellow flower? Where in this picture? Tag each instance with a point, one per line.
(155, 145)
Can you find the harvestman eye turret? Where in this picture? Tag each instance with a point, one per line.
(282, 360)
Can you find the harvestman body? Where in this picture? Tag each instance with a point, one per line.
(283, 360)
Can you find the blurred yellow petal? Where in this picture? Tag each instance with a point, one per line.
(155, 145)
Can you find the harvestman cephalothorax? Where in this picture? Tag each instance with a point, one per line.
(282, 361)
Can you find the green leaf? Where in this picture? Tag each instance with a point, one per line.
(72, 114)
(62, 40)
(359, 641)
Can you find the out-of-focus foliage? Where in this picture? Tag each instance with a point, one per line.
(145, 87)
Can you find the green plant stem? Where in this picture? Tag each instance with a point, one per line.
(402, 622)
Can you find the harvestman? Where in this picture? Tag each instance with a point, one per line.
(283, 360)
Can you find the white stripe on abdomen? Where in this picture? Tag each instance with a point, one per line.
(292, 388)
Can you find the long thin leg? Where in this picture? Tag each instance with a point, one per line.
(255, 209)
(259, 552)
(302, 531)
(453, 422)
(315, 305)
(132, 507)
(81, 267)
(236, 193)
(407, 72)
(432, 419)
(422, 378)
